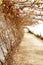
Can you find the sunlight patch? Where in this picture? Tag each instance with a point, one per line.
(36, 29)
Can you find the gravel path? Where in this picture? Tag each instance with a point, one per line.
(30, 51)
